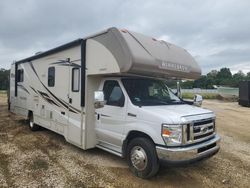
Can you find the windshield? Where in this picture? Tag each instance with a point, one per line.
(149, 92)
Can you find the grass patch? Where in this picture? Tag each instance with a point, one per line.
(4, 163)
(4, 167)
(75, 182)
(3, 93)
(204, 95)
(40, 164)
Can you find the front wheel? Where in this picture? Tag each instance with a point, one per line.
(142, 157)
(32, 125)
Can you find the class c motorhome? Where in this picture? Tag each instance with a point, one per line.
(108, 90)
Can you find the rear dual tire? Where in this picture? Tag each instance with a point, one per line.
(142, 158)
(8, 105)
(32, 125)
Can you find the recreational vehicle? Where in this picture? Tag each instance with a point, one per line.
(109, 91)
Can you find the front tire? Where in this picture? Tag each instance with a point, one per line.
(32, 125)
(142, 157)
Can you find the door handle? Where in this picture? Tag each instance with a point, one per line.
(132, 115)
(70, 100)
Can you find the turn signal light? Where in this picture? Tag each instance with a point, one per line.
(166, 132)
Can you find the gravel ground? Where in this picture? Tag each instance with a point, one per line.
(44, 159)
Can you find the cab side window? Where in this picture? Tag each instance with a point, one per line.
(113, 93)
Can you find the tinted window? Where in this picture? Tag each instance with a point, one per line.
(51, 76)
(113, 93)
(75, 79)
(20, 75)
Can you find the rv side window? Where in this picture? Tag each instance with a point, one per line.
(75, 79)
(51, 76)
(20, 75)
(113, 93)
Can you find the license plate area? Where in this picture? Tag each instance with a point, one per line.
(200, 150)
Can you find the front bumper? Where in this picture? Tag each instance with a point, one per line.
(188, 154)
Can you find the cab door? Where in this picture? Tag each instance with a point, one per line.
(111, 118)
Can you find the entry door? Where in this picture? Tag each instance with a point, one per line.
(74, 109)
(111, 118)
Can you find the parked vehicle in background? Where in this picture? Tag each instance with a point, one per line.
(108, 91)
(244, 93)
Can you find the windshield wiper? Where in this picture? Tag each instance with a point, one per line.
(177, 102)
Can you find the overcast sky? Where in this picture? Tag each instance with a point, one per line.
(215, 32)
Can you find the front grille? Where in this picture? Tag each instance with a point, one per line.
(202, 136)
(198, 131)
(203, 129)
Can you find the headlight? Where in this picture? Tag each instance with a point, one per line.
(172, 134)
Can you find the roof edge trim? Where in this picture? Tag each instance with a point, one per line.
(52, 51)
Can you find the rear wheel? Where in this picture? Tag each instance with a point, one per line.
(32, 125)
(8, 105)
(142, 157)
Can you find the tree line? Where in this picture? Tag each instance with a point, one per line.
(4, 79)
(223, 77)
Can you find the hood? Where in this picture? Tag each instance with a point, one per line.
(174, 114)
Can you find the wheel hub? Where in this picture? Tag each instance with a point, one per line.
(31, 122)
(139, 158)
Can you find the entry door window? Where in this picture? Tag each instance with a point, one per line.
(113, 93)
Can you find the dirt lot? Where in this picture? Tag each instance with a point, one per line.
(44, 159)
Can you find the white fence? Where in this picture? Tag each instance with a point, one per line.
(197, 90)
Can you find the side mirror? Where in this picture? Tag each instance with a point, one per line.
(99, 99)
(198, 100)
